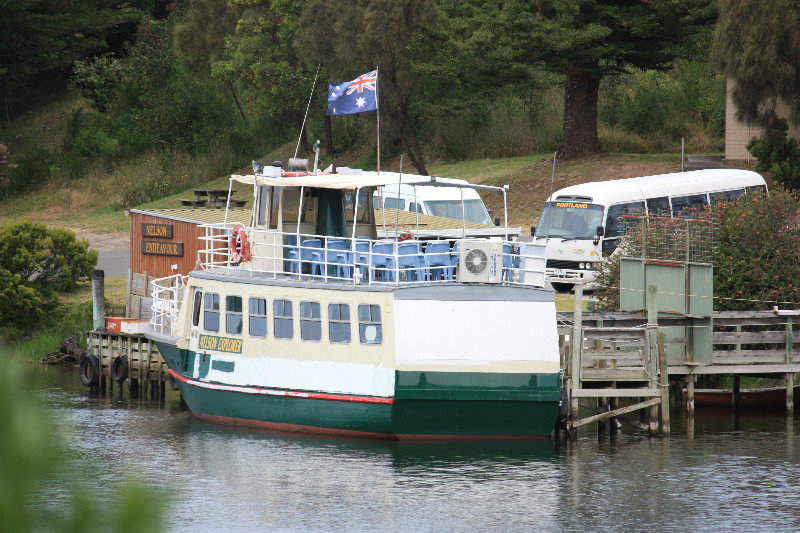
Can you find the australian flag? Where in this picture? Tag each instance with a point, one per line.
(354, 96)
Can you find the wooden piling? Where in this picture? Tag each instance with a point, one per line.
(663, 372)
(652, 349)
(576, 349)
(690, 379)
(736, 392)
(789, 376)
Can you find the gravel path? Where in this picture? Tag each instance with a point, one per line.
(114, 249)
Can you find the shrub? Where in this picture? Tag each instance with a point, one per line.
(96, 79)
(36, 262)
(758, 255)
(778, 154)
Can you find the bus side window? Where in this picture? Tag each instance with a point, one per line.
(726, 196)
(658, 207)
(394, 203)
(756, 189)
(615, 225)
(415, 207)
(679, 203)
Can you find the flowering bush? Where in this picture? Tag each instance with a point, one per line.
(757, 263)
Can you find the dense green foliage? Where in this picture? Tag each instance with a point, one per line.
(208, 85)
(31, 457)
(756, 45)
(778, 154)
(758, 255)
(37, 262)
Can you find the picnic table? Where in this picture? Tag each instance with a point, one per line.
(215, 198)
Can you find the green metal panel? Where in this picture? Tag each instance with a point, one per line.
(701, 283)
(700, 338)
(675, 351)
(632, 295)
(671, 282)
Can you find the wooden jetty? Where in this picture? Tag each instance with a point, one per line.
(617, 358)
(147, 371)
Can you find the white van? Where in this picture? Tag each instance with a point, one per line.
(437, 201)
(582, 223)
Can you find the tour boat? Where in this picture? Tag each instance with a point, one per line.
(301, 320)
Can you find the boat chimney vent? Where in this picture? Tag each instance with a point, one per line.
(298, 164)
(277, 164)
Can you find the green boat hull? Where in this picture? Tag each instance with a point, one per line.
(426, 405)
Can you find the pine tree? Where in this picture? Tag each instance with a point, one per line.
(589, 39)
(757, 44)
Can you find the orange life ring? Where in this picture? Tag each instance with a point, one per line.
(239, 245)
(406, 235)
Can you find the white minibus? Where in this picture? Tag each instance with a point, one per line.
(437, 201)
(581, 224)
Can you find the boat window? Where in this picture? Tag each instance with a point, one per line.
(310, 321)
(197, 305)
(363, 198)
(291, 204)
(211, 312)
(375, 203)
(370, 330)
(474, 210)
(394, 203)
(726, 196)
(283, 323)
(616, 223)
(233, 314)
(756, 189)
(681, 203)
(658, 207)
(569, 220)
(339, 323)
(257, 319)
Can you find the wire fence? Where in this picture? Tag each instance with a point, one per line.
(691, 240)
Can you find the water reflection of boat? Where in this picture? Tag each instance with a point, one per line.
(768, 397)
(398, 339)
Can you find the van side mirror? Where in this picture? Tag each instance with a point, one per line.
(600, 231)
(533, 231)
(496, 221)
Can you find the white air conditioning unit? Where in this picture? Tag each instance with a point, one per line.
(480, 261)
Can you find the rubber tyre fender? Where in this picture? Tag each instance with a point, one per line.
(89, 370)
(173, 383)
(119, 368)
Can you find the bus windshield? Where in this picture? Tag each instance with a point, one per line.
(569, 220)
(475, 210)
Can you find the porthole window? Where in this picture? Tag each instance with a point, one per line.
(211, 312)
(339, 323)
(370, 330)
(283, 321)
(310, 321)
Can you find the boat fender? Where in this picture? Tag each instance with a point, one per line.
(239, 245)
(89, 370)
(406, 235)
(563, 410)
(119, 368)
(173, 383)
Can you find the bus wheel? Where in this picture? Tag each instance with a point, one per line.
(562, 287)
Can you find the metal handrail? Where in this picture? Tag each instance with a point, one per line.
(167, 293)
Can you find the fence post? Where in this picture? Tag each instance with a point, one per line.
(789, 375)
(663, 382)
(576, 349)
(652, 340)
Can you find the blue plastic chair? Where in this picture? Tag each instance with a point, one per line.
(338, 257)
(453, 261)
(508, 262)
(292, 263)
(382, 263)
(311, 254)
(361, 260)
(409, 259)
(437, 260)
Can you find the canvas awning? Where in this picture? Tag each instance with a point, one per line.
(355, 181)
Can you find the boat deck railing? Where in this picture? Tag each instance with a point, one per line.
(365, 261)
(167, 295)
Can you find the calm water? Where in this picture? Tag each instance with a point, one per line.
(741, 474)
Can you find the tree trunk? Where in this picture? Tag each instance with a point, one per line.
(232, 89)
(580, 113)
(328, 135)
(409, 140)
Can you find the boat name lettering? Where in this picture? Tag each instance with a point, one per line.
(157, 230)
(220, 344)
(162, 248)
(572, 204)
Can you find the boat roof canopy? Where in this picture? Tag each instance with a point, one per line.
(355, 180)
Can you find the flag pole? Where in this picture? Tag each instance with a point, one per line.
(314, 84)
(378, 116)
